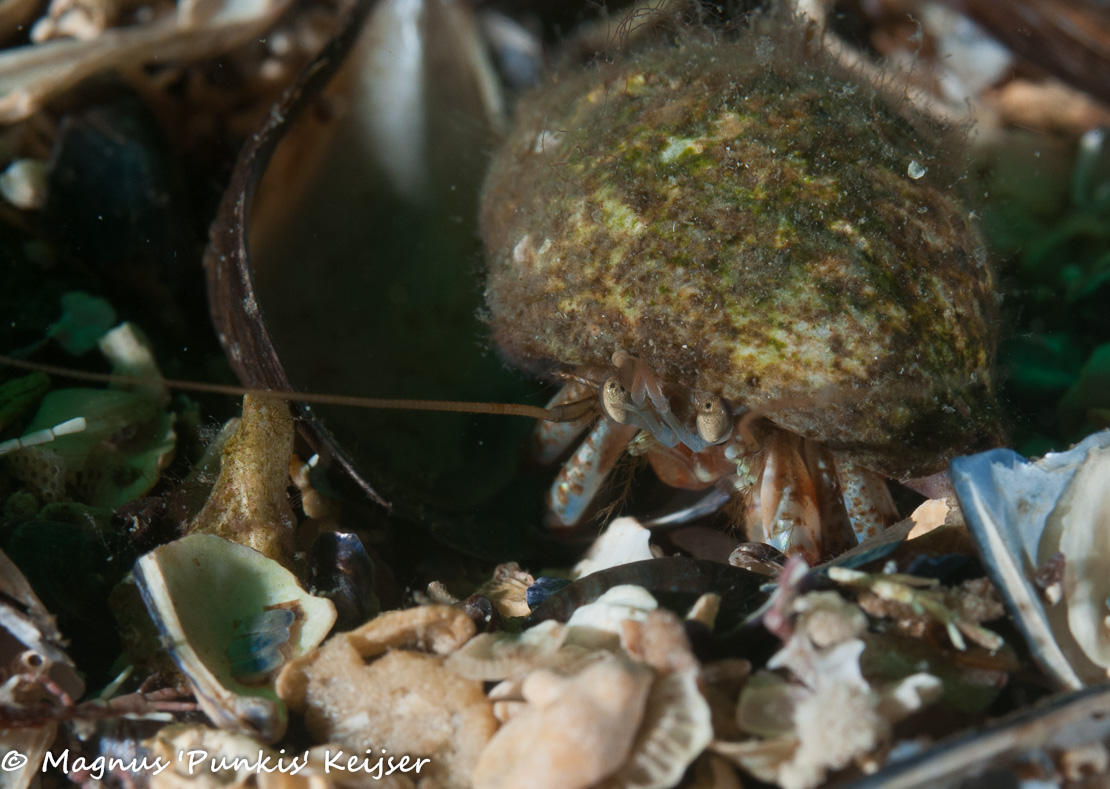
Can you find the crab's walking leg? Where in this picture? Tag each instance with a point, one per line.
(582, 476)
(836, 525)
(551, 439)
(867, 499)
(789, 515)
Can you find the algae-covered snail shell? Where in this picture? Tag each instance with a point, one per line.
(731, 224)
(743, 220)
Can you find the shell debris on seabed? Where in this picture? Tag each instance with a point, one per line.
(207, 596)
(1043, 529)
(31, 657)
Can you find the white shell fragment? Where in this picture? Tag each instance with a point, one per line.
(622, 602)
(1021, 513)
(221, 610)
(623, 541)
(596, 623)
(496, 656)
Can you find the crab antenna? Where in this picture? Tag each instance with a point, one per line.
(509, 409)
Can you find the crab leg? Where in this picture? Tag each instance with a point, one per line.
(551, 439)
(789, 516)
(866, 498)
(836, 525)
(582, 476)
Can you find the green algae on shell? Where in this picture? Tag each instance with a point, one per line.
(754, 223)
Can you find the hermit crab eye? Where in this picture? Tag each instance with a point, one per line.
(714, 419)
(616, 402)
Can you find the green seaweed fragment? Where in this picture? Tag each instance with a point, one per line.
(1049, 213)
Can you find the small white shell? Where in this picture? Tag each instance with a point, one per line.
(198, 591)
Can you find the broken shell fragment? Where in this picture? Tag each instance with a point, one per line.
(1022, 514)
(496, 656)
(625, 540)
(508, 589)
(435, 628)
(31, 656)
(609, 611)
(575, 731)
(403, 701)
(677, 727)
(221, 610)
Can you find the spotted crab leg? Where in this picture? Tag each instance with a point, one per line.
(789, 516)
(867, 499)
(836, 526)
(582, 476)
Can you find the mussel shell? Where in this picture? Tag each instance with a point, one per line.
(321, 276)
(205, 595)
(1065, 721)
(344, 573)
(675, 581)
(1008, 502)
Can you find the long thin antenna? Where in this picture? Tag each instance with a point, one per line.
(568, 412)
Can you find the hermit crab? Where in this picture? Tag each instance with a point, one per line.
(758, 267)
(747, 264)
